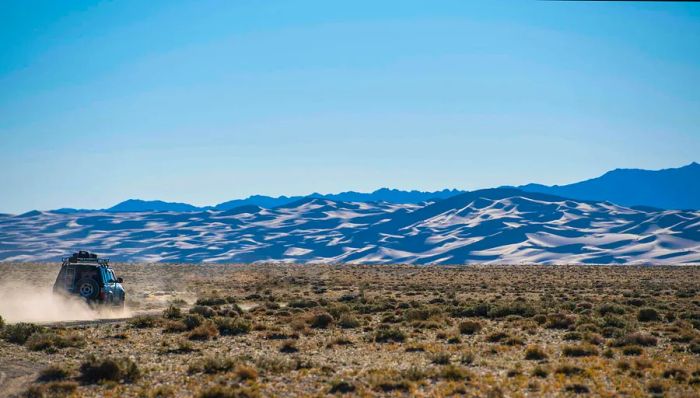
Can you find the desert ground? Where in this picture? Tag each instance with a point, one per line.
(316, 330)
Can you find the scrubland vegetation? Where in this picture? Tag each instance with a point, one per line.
(264, 330)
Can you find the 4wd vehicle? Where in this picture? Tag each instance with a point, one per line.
(85, 275)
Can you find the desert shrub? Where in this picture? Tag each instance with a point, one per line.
(559, 321)
(694, 346)
(175, 327)
(540, 372)
(454, 340)
(389, 383)
(341, 340)
(211, 365)
(583, 350)
(632, 350)
(341, 387)
(648, 315)
(321, 320)
(302, 303)
(50, 341)
(203, 310)
(183, 347)
(54, 372)
(477, 310)
(94, 370)
(514, 308)
(453, 372)
(210, 301)
(615, 309)
(577, 388)
(645, 340)
(534, 353)
(440, 358)
(60, 388)
(232, 326)
(143, 322)
(610, 321)
(337, 310)
(677, 374)
(289, 347)
(422, 313)
(274, 364)
(635, 302)
(388, 335)
(172, 312)
(469, 327)
(655, 387)
(495, 337)
(192, 321)
(513, 340)
(594, 338)
(348, 321)
(204, 331)
(245, 372)
(569, 370)
(19, 333)
(572, 336)
(467, 358)
(2, 323)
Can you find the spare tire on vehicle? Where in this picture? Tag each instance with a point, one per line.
(88, 288)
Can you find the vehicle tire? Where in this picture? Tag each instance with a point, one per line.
(88, 288)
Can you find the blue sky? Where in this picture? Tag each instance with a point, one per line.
(206, 101)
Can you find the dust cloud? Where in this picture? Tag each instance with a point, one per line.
(21, 302)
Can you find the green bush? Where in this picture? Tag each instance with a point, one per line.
(389, 335)
(455, 373)
(50, 341)
(648, 315)
(212, 365)
(583, 350)
(53, 372)
(348, 321)
(204, 331)
(508, 309)
(535, 354)
(469, 327)
(211, 301)
(321, 320)
(203, 310)
(143, 322)
(559, 321)
(19, 333)
(94, 370)
(172, 312)
(645, 340)
(192, 321)
(232, 326)
(606, 309)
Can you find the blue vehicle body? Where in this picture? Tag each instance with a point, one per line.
(91, 278)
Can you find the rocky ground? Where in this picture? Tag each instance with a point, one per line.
(281, 330)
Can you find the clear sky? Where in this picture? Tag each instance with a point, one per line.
(206, 101)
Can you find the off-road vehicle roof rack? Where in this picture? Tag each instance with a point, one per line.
(85, 257)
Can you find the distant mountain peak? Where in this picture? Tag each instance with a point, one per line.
(672, 188)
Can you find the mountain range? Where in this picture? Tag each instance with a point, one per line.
(501, 225)
(676, 188)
